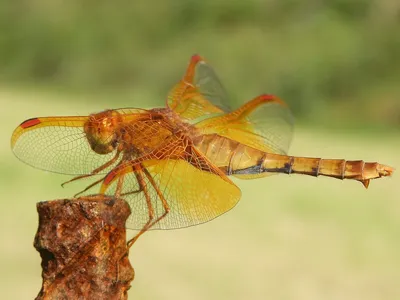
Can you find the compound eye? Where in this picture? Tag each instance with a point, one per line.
(100, 132)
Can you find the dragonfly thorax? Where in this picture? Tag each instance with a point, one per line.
(101, 131)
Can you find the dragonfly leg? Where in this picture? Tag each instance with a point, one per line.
(139, 190)
(95, 171)
(132, 192)
(136, 167)
(143, 188)
(119, 185)
(151, 223)
(89, 187)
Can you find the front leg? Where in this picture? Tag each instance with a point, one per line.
(95, 171)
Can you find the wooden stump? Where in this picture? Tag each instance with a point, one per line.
(82, 243)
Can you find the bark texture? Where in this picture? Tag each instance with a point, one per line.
(82, 243)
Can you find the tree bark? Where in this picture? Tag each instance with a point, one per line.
(82, 243)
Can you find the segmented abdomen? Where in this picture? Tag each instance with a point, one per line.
(245, 162)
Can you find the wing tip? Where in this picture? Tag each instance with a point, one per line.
(30, 123)
(20, 129)
(196, 58)
(272, 98)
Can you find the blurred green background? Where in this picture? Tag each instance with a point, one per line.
(336, 64)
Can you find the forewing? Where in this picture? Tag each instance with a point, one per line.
(199, 93)
(56, 144)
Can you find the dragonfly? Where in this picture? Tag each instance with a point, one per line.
(174, 165)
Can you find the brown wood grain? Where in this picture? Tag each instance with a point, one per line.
(82, 243)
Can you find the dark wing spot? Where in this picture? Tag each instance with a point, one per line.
(30, 123)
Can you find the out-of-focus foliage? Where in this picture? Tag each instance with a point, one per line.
(334, 60)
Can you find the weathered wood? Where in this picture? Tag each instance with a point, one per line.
(82, 243)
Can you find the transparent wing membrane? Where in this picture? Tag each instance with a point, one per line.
(180, 185)
(209, 85)
(265, 123)
(199, 93)
(58, 145)
(272, 127)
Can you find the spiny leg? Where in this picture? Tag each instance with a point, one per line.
(139, 190)
(90, 186)
(142, 187)
(149, 224)
(119, 185)
(136, 167)
(95, 171)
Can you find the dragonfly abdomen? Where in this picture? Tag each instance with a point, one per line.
(237, 159)
(336, 168)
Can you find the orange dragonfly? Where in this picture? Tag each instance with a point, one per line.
(173, 164)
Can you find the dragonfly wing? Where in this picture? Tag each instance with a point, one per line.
(194, 190)
(57, 144)
(60, 145)
(264, 123)
(193, 196)
(199, 93)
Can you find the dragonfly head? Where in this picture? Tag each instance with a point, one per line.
(101, 131)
